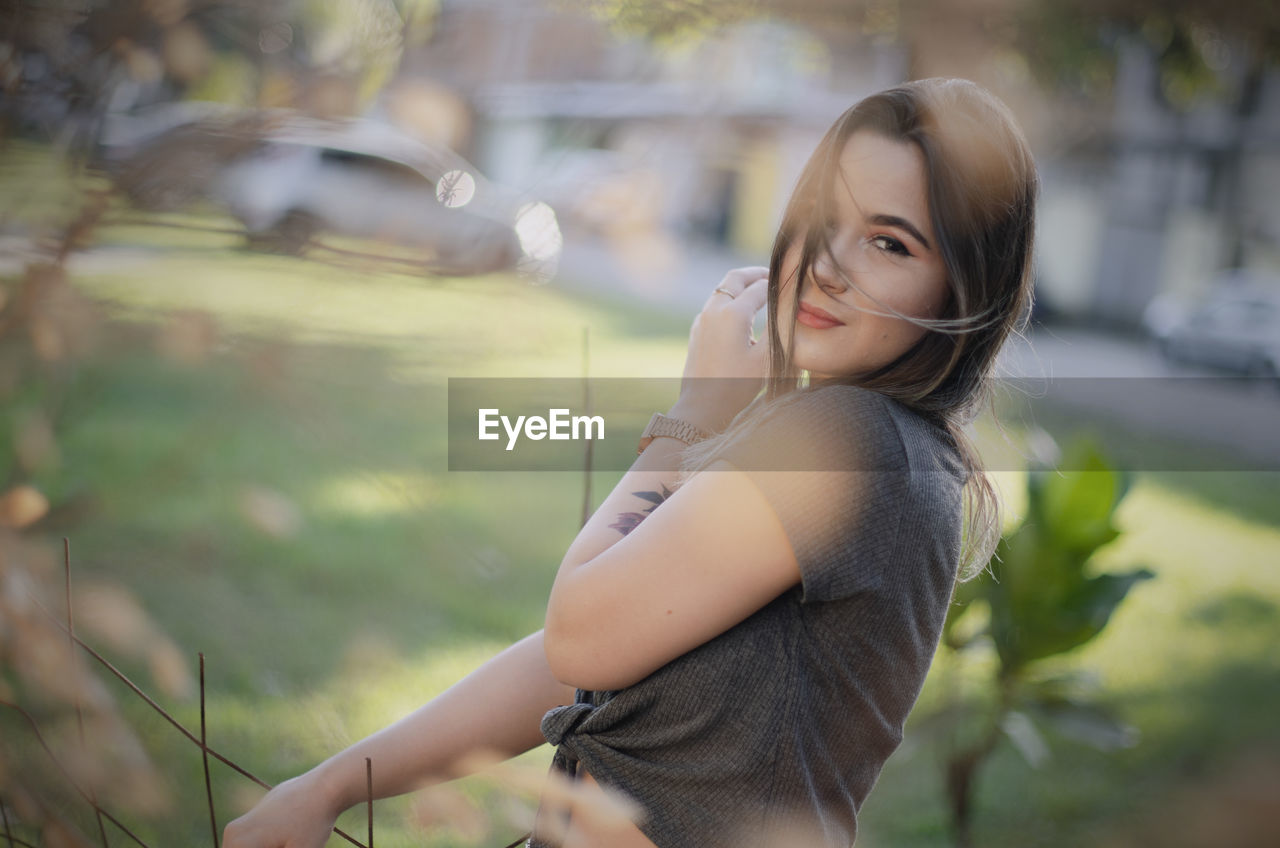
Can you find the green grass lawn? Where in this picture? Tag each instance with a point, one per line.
(284, 506)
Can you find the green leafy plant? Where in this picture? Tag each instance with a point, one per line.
(1042, 602)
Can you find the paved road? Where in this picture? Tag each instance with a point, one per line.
(1126, 381)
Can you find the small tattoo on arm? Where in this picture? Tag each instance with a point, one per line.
(628, 521)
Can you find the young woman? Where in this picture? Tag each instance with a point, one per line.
(740, 661)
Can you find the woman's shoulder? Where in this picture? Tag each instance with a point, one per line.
(881, 431)
(833, 393)
(834, 401)
(828, 427)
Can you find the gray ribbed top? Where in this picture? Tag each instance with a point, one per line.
(790, 715)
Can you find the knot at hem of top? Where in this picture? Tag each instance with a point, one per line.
(564, 720)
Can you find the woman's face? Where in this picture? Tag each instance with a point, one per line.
(880, 233)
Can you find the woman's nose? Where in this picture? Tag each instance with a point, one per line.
(826, 274)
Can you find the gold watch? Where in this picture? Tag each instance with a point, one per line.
(661, 425)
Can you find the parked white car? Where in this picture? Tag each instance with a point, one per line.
(289, 179)
(1235, 327)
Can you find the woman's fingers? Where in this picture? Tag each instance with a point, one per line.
(750, 273)
(740, 312)
(291, 815)
(725, 364)
(730, 312)
(755, 295)
(735, 283)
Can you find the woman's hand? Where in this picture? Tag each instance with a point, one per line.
(295, 814)
(725, 367)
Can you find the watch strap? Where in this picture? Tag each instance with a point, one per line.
(661, 425)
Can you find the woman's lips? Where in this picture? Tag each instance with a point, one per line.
(813, 317)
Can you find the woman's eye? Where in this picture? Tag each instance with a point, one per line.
(890, 244)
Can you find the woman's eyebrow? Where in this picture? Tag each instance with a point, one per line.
(902, 223)
(883, 219)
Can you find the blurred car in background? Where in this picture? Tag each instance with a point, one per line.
(1235, 327)
(289, 179)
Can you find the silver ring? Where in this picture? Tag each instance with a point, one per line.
(732, 296)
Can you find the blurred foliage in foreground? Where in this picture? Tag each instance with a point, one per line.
(64, 64)
(59, 719)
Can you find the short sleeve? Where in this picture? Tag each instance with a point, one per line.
(832, 464)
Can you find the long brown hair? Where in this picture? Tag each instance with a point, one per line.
(982, 190)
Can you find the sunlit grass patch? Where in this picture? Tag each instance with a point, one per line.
(375, 493)
(39, 190)
(496, 325)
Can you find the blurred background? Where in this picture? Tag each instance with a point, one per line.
(244, 247)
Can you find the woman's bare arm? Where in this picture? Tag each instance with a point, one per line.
(498, 708)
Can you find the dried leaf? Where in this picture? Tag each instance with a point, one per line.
(550, 817)
(84, 761)
(444, 807)
(431, 111)
(186, 53)
(515, 812)
(331, 96)
(46, 339)
(166, 13)
(143, 65)
(278, 89)
(605, 807)
(22, 506)
(24, 804)
(140, 789)
(42, 276)
(189, 336)
(270, 511)
(113, 615)
(18, 592)
(510, 776)
(112, 762)
(170, 670)
(57, 833)
(45, 665)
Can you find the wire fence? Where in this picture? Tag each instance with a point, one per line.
(103, 816)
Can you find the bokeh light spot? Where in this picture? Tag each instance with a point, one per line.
(456, 188)
(274, 38)
(538, 231)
